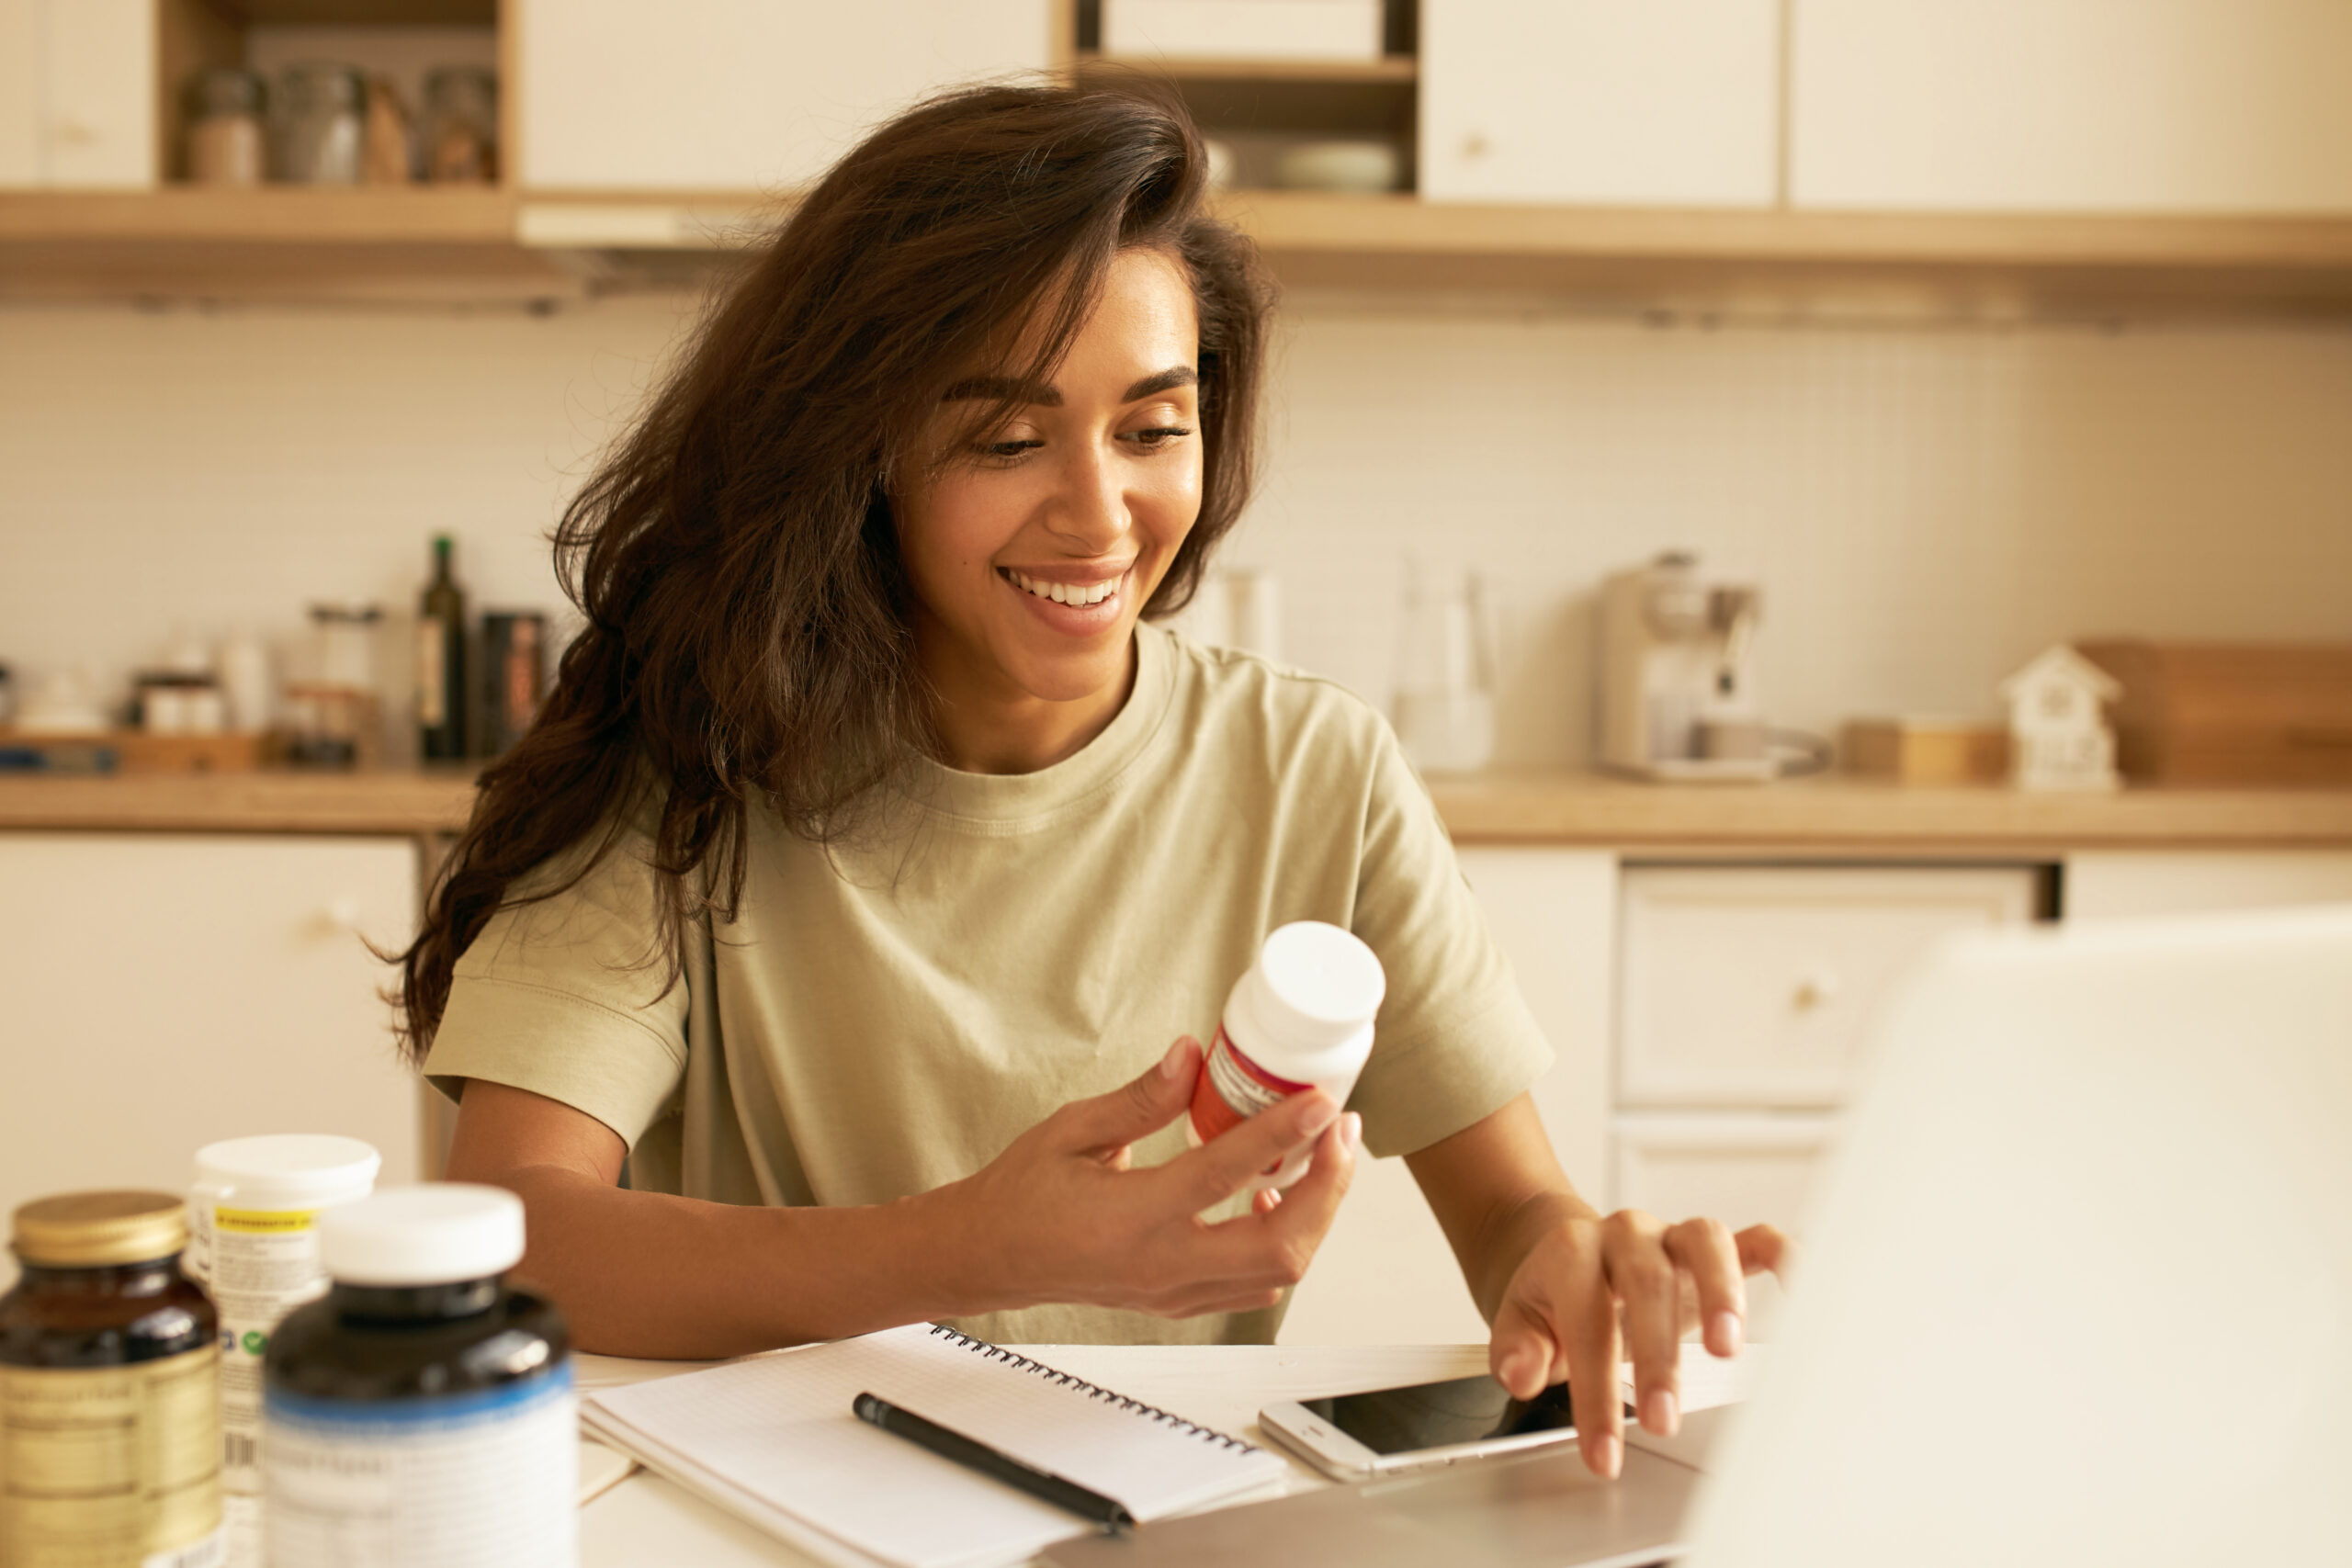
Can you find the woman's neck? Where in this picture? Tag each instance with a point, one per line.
(985, 724)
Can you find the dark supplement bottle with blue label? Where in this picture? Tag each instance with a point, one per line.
(422, 1410)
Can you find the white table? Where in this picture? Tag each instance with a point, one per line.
(644, 1521)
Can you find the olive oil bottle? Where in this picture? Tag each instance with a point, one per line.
(441, 688)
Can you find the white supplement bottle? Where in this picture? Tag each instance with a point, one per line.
(422, 1412)
(1301, 1018)
(253, 1246)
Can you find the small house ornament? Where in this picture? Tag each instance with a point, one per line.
(2058, 734)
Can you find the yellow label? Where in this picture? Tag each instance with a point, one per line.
(264, 1222)
(104, 1465)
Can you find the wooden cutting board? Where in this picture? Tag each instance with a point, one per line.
(2205, 713)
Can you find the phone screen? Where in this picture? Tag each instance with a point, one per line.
(1438, 1415)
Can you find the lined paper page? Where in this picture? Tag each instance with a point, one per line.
(774, 1436)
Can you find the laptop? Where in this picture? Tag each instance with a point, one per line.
(2077, 1289)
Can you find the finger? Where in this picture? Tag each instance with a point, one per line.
(1588, 1320)
(1763, 1248)
(1649, 1293)
(1520, 1351)
(1265, 1201)
(1705, 1252)
(1109, 1121)
(1276, 1245)
(1234, 1159)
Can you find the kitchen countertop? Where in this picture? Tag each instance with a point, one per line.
(1830, 813)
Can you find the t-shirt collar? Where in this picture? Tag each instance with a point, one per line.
(947, 792)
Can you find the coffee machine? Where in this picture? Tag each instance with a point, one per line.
(1677, 656)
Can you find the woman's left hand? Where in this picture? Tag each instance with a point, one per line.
(1587, 1287)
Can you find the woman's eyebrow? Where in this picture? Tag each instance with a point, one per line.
(1006, 389)
(1174, 376)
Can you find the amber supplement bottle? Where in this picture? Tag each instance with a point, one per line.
(109, 1389)
(422, 1412)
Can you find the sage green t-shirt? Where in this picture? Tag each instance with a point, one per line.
(882, 1018)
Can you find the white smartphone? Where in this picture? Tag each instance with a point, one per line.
(1391, 1431)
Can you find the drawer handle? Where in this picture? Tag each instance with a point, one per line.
(341, 914)
(1816, 990)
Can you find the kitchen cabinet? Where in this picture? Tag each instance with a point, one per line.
(2072, 106)
(2113, 884)
(77, 93)
(739, 94)
(1755, 987)
(1672, 103)
(1386, 1274)
(165, 990)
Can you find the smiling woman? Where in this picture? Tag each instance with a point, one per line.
(810, 967)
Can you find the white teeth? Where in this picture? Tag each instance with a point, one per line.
(1066, 593)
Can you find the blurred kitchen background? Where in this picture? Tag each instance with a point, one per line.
(1947, 333)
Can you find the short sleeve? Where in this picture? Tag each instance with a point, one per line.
(572, 996)
(1454, 1040)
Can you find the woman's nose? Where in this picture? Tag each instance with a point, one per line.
(1090, 509)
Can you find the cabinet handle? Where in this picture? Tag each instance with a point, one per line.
(71, 133)
(341, 914)
(1816, 990)
(1477, 144)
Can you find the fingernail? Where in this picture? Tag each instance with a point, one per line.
(1605, 1457)
(1512, 1375)
(1171, 1065)
(1724, 1334)
(1661, 1412)
(1352, 1130)
(1320, 1116)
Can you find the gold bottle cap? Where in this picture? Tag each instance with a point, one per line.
(88, 1230)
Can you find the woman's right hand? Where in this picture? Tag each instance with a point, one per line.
(1061, 1216)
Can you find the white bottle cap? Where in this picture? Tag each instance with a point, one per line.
(1314, 985)
(438, 1233)
(284, 1171)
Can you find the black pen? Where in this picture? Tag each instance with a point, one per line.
(1110, 1514)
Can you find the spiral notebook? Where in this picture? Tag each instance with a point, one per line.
(772, 1441)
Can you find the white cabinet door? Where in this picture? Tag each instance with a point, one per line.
(77, 93)
(20, 94)
(99, 59)
(165, 991)
(1755, 987)
(740, 95)
(1384, 1275)
(1672, 103)
(2107, 885)
(2080, 106)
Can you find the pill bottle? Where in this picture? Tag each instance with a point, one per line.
(1301, 1018)
(253, 1246)
(109, 1389)
(422, 1411)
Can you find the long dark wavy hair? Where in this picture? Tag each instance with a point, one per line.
(748, 642)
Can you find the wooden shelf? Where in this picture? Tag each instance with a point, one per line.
(445, 244)
(381, 215)
(422, 243)
(1395, 68)
(2025, 263)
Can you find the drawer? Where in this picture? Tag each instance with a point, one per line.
(1756, 986)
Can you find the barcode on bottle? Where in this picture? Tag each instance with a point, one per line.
(240, 1451)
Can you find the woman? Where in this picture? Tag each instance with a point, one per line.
(809, 968)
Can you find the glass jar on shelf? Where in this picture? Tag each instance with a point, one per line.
(226, 111)
(321, 124)
(461, 124)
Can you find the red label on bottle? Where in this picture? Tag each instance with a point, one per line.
(1232, 1089)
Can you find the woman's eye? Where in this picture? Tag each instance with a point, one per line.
(1158, 435)
(1007, 451)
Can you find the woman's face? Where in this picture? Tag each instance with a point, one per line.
(1033, 553)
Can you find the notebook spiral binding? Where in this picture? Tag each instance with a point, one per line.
(1092, 1390)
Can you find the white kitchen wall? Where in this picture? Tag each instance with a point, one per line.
(1925, 505)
